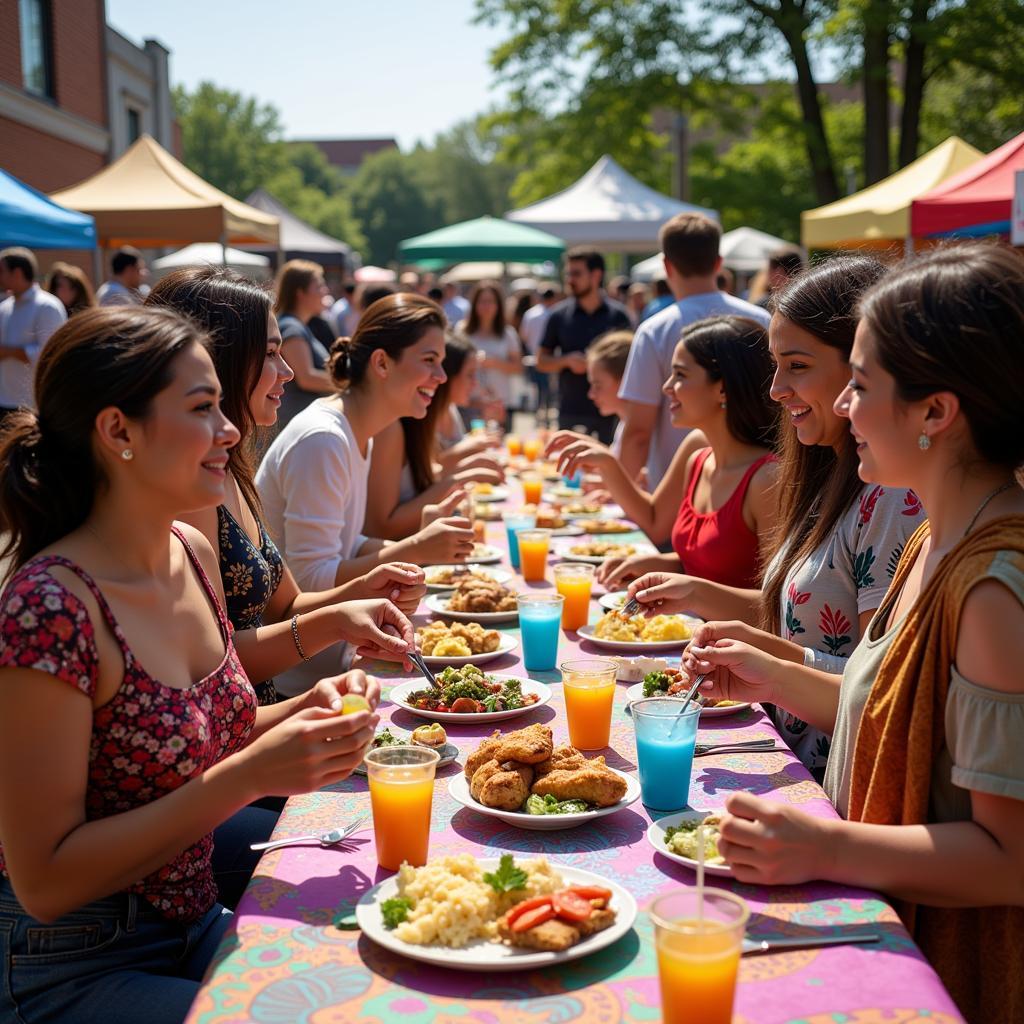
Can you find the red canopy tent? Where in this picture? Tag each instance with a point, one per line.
(977, 201)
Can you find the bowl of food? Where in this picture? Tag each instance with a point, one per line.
(462, 643)
(670, 682)
(468, 695)
(436, 740)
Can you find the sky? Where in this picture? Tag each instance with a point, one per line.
(406, 69)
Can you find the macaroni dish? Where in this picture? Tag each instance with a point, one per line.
(637, 629)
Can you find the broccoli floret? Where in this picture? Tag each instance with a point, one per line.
(655, 683)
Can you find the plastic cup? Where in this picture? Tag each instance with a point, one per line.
(533, 553)
(532, 448)
(540, 620)
(588, 686)
(521, 520)
(480, 530)
(401, 792)
(699, 950)
(574, 582)
(574, 481)
(477, 426)
(665, 739)
(533, 487)
(514, 445)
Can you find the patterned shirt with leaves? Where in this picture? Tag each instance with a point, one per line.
(824, 596)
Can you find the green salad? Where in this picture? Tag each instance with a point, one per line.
(547, 804)
(683, 839)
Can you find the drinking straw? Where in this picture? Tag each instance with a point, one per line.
(700, 875)
(686, 703)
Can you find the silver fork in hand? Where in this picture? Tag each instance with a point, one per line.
(331, 838)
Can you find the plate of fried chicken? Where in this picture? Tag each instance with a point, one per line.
(523, 779)
(476, 600)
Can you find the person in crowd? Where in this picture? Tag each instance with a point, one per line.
(436, 294)
(28, 317)
(926, 769)
(455, 306)
(409, 282)
(313, 480)
(720, 528)
(299, 291)
(572, 325)
(636, 300)
(689, 242)
(259, 588)
(497, 344)
(783, 265)
(128, 273)
(108, 899)
(726, 281)
(338, 314)
(662, 299)
(319, 323)
(618, 288)
(374, 292)
(531, 331)
(421, 462)
(606, 363)
(71, 286)
(837, 539)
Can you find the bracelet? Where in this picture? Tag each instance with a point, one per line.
(295, 637)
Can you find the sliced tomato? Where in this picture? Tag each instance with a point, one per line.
(531, 918)
(591, 892)
(571, 906)
(530, 904)
(465, 706)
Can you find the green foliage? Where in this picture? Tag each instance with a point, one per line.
(969, 103)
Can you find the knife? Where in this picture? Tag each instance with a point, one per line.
(757, 947)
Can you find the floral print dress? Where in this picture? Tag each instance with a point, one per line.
(824, 596)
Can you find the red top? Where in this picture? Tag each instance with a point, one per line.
(718, 545)
(149, 739)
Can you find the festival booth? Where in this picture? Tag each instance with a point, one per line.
(299, 240)
(375, 275)
(608, 209)
(486, 238)
(878, 217)
(29, 218)
(974, 203)
(200, 254)
(743, 250)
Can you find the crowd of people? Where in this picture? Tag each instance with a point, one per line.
(197, 557)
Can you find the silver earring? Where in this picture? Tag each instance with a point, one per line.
(924, 442)
(722, 404)
(127, 454)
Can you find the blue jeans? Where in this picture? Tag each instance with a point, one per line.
(114, 961)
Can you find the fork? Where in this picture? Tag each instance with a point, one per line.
(417, 659)
(325, 839)
(630, 608)
(711, 748)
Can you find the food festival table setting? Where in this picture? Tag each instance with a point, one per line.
(311, 941)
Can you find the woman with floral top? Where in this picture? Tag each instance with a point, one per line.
(837, 540)
(125, 712)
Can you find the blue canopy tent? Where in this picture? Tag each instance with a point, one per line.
(29, 218)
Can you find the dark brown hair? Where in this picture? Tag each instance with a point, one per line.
(690, 243)
(84, 297)
(473, 319)
(17, 257)
(817, 483)
(294, 277)
(49, 476)
(734, 350)
(235, 312)
(589, 256)
(611, 350)
(953, 320)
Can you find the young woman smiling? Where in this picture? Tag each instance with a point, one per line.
(927, 767)
(112, 779)
(260, 589)
(314, 478)
(501, 358)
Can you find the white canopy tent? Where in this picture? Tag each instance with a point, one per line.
(607, 208)
(744, 250)
(199, 254)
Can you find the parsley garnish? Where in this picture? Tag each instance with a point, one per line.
(395, 911)
(508, 877)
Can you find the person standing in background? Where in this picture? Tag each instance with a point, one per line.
(455, 307)
(531, 331)
(636, 300)
(28, 316)
(71, 286)
(662, 298)
(783, 266)
(572, 325)
(690, 244)
(338, 315)
(128, 271)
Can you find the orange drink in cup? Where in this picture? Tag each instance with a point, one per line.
(532, 488)
(532, 448)
(573, 582)
(401, 793)
(698, 953)
(514, 445)
(533, 553)
(588, 686)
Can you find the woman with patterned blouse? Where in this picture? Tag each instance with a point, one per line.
(128, 727)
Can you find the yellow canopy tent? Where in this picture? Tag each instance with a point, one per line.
(879, 216)
(150, 199)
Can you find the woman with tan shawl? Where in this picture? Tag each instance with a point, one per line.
(927, 763)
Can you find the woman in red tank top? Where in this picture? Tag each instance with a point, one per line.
(716, 501)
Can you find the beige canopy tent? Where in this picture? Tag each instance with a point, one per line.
(879, 216)
(150, 199)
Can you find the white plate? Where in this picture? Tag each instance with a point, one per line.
(636, 692)
(458, 789)
(439, 603)
(644, 646)
(656, 837)
(449, 752)
(486, 554)
(633, 528)
(505, 645)
(400, 692)
(639, 548)
(569, 530)
(498, 575)
(498, 494)
(494, 956)
(614, 601)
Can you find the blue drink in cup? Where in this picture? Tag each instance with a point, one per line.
(665, 739)
(517, 521)
(540, 622)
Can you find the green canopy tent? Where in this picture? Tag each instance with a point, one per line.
(486, 238)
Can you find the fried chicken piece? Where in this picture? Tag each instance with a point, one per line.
(561, 757)
(593, 782)
(597, 922)
(502, 786)
(530, 745)
(481, 595)
(480, 640)
(556, 935)
(484, 753)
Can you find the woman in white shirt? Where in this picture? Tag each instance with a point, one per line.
(500, 357)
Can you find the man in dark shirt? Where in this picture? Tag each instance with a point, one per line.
(571, 327)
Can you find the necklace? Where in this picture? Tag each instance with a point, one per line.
(991, 496)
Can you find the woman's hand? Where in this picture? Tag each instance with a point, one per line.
(444, 541)
(474, 444)
(328, 693)
(767, 843)
(663, 593)
(735, 671)
(401, 583)
(481, 460)
(377, 629)
(483, 474)
(616, 572)
(582, 453)
(443, 509)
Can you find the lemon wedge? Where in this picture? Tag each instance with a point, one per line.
(353, 702)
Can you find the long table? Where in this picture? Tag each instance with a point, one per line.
(286, 961)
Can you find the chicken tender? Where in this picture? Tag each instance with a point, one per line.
(552, 936)
(529, 746)
(484, 753)
(593, 782)
(561, 757)
(597, 922)
(502, 786)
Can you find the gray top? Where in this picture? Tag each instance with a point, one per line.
(295, 399)
(983, 749)
(26, 322)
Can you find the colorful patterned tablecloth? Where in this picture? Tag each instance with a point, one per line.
(285, 962)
